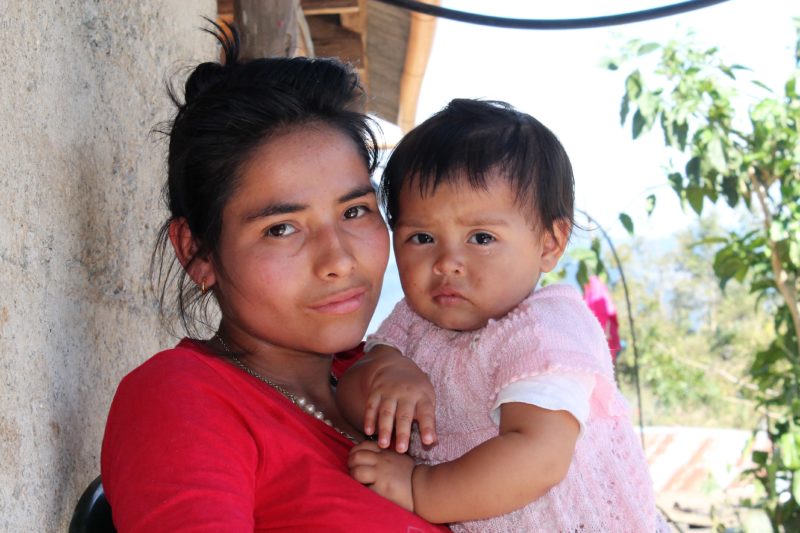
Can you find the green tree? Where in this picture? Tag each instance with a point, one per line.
(749, 160)
(695, 341)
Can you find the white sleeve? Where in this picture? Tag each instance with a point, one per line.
(555, 392)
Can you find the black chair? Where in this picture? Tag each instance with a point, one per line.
(92, 513)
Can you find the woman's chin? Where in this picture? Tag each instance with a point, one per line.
(340, 338)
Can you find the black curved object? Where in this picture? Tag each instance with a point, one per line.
(552, 24)
(93, 512)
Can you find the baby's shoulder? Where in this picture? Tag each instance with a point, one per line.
(554, 315)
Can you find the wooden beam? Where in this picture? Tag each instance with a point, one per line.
(418, 51)
(329, 7)
(332, 40)
(268, 29)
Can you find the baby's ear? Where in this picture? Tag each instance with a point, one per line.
(554, 243)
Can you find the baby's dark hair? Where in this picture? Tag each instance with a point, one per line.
(475, 139)
(230, 109)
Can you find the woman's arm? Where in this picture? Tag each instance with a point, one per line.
(387, 389)
(531, 454)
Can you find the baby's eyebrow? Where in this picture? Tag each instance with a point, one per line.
(482, 221)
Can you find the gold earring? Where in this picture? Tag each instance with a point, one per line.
(203, 288)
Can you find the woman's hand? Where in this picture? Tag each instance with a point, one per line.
(388, 391)
(384, 471)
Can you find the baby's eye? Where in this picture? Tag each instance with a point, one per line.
(280, 230)
(421, 238)
(356, 211)
(481, 238)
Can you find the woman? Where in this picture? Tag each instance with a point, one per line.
(272, 214)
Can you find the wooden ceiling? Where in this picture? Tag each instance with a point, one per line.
(372, 36)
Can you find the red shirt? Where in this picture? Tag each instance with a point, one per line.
(194, 444)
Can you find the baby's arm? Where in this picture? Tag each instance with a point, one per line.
(386, 388)
(531, 454)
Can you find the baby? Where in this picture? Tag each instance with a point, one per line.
(533, 434)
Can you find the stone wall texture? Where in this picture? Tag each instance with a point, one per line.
(82, 84)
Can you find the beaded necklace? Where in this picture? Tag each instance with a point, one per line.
(300, 401)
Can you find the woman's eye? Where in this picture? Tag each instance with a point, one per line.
(421, 238)
(356, 212)
(481, 238)
(281, 230)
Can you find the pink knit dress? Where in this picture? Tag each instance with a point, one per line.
(608, 487)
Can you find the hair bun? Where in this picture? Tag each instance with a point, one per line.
(204, 76)
(207, 75)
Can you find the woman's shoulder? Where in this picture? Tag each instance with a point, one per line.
(186, 367)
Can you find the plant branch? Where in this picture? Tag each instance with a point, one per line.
(630, 319)
(727, 376)
(781, 277)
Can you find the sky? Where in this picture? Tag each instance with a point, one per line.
(557, 76)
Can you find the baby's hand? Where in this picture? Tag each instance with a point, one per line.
(399, 393)
(386, 472)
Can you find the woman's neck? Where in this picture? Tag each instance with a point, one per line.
(300, 372)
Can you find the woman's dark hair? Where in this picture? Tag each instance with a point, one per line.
(474, 139)
(229, 110)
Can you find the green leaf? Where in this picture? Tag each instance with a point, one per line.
(647, 48)
(790, 450)
(638, 124)
(796, 487)
(633, 85)
(762, 85)
(624, 109)
(583, 274)
(794, 252)
(761, 285)
(680, 131)
(716, 155)
(609, 63)
(730, 189)
(759, 458)
(676, 181)
(650, 204)
(728, 72)
(693, 170)
(649, 106)
(626, 222)
(695, 195)
(596, 246)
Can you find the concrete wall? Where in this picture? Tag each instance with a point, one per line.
(81, 86)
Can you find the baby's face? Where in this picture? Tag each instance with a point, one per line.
(466, 255)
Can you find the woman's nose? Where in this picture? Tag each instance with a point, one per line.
(334, 255)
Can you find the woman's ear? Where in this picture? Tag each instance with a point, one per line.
(199, 268)
(554, 243)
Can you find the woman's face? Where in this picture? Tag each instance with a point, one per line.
(303, 246)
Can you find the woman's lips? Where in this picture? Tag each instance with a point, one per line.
(342, 302)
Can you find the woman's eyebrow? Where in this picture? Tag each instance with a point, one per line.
(358, 192)
(284, 208)
(274, 209)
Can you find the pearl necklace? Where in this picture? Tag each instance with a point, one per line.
(301, 402)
